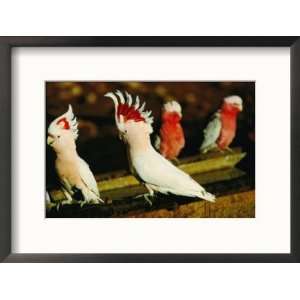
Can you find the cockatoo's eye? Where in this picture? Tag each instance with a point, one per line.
(58, 136)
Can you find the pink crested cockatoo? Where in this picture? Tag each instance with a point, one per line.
(73, 172)
(221, 130)
(151, 168)
(171, 139)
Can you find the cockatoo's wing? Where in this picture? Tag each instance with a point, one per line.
(164, 177)
(88, 178)
(211, 132)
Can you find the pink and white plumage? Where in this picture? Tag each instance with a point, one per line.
(171, 139)
(74, 173)
(221, 130)
(151, 168)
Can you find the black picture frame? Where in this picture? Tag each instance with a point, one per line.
(6, 45)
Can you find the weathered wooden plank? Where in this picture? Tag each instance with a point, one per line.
(134, 190)
(227, 160)
(207, 165)
(126, 205)
(240, 205)
(237, 205)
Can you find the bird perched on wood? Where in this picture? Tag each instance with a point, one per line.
(221, 130)
(152, 169)
(171, 139)
(74, 174)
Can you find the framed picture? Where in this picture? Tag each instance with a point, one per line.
(149, 149)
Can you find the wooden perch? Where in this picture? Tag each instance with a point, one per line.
(236, 200)
(208, 168)
(239, 205)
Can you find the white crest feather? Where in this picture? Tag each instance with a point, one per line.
(118, 99)
(234, 100)
(72, 123)
(137, 103)
(141, 109)
(121, 96)
(116, 103)
(172, 106)
(129, 98)
(147, 113)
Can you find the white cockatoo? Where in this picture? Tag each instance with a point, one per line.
(150, 167)
(74, 173)
(221, 130)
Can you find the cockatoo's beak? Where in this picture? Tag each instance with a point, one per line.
(50, 140)
(238, 106)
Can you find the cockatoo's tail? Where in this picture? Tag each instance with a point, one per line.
(157, 173)
(221, 130)
(74, 173)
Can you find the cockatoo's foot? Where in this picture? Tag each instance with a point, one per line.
(150, 194)
(90, 198)
(91, 201)
(83, 203)
(225, 150)
(146, 197)
(67, 202)
(50, 205)
(57, 205)
(211, 148)
(68, 198)
(62, 203)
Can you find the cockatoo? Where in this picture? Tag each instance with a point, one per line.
(151, 168)
(171, 139)
(221, 130)
(74, 173)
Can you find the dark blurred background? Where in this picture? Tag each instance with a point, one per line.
(98, 141)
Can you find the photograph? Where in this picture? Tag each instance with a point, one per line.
(141, 149)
